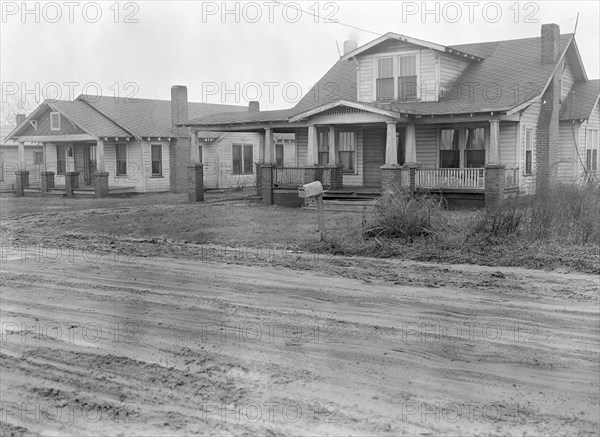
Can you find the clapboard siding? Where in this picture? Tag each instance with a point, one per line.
(135, 172)
(529, 119)
(302, 145)
(156, 183)
(426, 137)
(365, 79)
(567, 81)
(374, 153)
(592, 123)
(508, 143)
(567, 152)
(451, 67)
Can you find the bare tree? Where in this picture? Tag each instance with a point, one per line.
(11, 106)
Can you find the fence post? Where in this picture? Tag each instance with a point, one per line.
(22, 181)
(267, 183)
(195, 187)
(47, 180)
(494, 184)
(258, 179)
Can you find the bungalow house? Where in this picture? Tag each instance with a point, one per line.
(458, 119)
(34, 154)
(96, 145)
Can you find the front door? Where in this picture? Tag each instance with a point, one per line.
(82, 163)
(374, 154)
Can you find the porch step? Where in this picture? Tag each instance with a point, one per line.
(359, 205)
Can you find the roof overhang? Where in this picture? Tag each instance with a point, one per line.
(408, 39)
(347, 103)
(58, 138)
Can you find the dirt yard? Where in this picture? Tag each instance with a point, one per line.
(109, 336)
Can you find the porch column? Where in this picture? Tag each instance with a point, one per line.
(494, 152)
(100, 156)
(391, 144)
(21, 155)
(313, 146)
(194, 151)
(269, 158)
(261, 147)
(410, 146)
(332, 147)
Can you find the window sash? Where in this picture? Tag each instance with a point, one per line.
(121, 158)
(279, 154)
(242, 158)
(323, 140)
(347, 141)
(475, 139)
(385, 88)
(407, 87)
(385, 67)
(449, 158)
(346, 158)
(475, 158)
(38, 158)
(449, 139)
(407, 65)
(157, 160)
(323, 158)
(248, 167)
(54, 121)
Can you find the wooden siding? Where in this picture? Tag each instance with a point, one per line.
(156, 183)
(569, 139)
(509, 144)
(529, 120)
(356, 179)
(427, 149)
(592, 123)
(451, 67)
(135, 171)
(10, 163)
(374, 155)
(567, 81)
(43, 126)
(302, 145)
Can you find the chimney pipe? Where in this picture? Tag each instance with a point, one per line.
(179, 104)
(349, 45)
(20, 118)
(254, 106)
(550, 45)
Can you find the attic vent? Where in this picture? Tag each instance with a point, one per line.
(344, 110)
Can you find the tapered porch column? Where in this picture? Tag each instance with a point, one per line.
(100, 156)
(21, 155)
(410, 146)
(269, 158)
(494, 151)
(313, 146)
(391, 144)
(333, 160)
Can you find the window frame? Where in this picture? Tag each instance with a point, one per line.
(323, 155)
(159, 174)
(354, 151)
(396, 76)
(37, 153)
(243, 148)
(279, 146)
(126, 159)
(528, 152)
(591, 150)
(52, 124)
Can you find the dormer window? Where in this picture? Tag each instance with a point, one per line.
(54, 121)
(397, 77)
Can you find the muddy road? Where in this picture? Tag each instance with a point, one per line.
(166, 346)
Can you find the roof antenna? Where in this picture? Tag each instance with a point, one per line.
(338, 48)
(576, 21)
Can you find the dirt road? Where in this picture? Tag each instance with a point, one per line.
(164, 346)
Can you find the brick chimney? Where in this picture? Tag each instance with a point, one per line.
(254, 106)
(179, 104)
(550, 43)
(20, 118)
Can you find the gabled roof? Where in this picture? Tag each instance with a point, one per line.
(149, 117)
(242, 117)
(581, 100)
(408, 39)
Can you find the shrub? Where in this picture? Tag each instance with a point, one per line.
(403, 216)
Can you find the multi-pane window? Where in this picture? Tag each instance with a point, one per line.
(385, 79)
(347, 150)
(121, 159)
(475, 147)
(591, 150)
(323, 146)
(407, 77)
(38, 158)
(54, 121)
(242, 155)
(449, 148)
(279, 154)
(61, 159)
(528, 151)
(157, 160)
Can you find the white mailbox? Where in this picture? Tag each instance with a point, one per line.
(310, 190)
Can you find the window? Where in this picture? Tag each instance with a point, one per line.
(122, 159)
(449, 149)
(385, 79)
(200, 155)
(279, 154)
(591, 150)
(323, 146)
(38, 158)
(242, 158)
(346, 150)
(475, 148)
(528, 151)
(407, 77)
(54, 121)
(157, 160)
(61, 159)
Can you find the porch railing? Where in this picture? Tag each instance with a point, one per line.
(288, 176)
(468, 178)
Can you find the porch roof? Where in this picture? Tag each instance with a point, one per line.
(581, 100)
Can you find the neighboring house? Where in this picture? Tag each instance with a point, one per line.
(34, 154)
(134, 141)
(453, 113)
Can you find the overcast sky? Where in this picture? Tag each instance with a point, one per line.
(141, 48)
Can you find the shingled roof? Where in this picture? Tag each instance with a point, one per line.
(581, 100)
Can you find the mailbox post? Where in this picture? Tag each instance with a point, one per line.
(315, 190)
